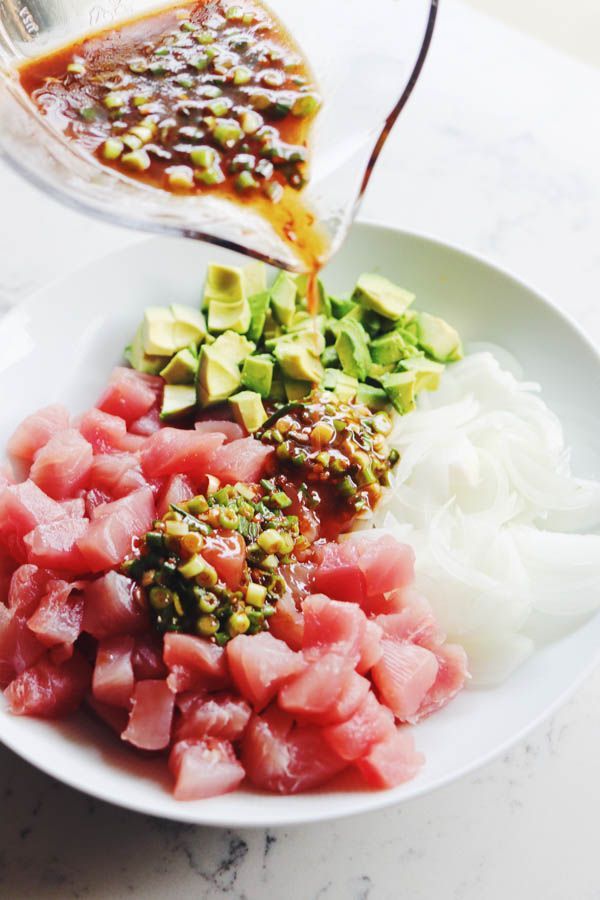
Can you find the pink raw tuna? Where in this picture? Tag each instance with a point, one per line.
(75, 508)
(48, 690)
(279, 756)
(36, 430)
(371, 650)
(327, 691)
(19, 647)
(108, 538)
(27, 587)
(204, 768)
(116, 474)
(392, 761)
(227, 553)
(115, 717)
(57, 620)
(108, 434)
(22, 508)
(148, 657)
(178, 489)
(147, 424)
(6, 477)
(173, 451)
(338, 578)
(288, 622)
(151, 716)
(110, 608)
(415, 624)
(55, 545)
(220, 716)
(260, 664)
(231, 430)
(385, 563)
(130, 394)
(452, 673)
(241, 460)
(332, 626)
(403, 676)
(113, 680)
(62, 467)
(372, 722)
(194, 663)
(7, 568)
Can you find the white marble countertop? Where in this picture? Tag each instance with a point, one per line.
(497, 152)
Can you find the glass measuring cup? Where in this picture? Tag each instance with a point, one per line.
(366, 61)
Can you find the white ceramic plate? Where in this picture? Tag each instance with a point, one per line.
(60, 346)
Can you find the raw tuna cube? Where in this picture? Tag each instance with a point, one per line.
(114, 716)
(370, 724)
(220, 716)
(288, 622)
(194, 663)
(130, 394)
(48, 690)
(27, 587)
(204, 768)
(178, 489)
(333, 626)
(259, 665)
(318, 693)
(338, 578)
(62, 467)
(151, 716)
(113, 681)
(451, 676)
(36, 430)
(281, 757)
(227, 553)
(371, 650)
(57, 620)
(116, 474)
(147, 424)
(56, 545)
(19, 647)
(22, 508)
(392, 761)
(148, 657)
(110, 608)
(385, 563)
(403, 676)
(7, 568)
(173, 451)
(108, 538)
(108, 434)
(74, 508)
(414, 623)
(231, 430)
(241, 460)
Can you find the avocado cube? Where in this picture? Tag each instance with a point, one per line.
(255, 278)
(224, 283)
(373, 397)
(218, 376)
(257, 374)
(189, 325)
(400, 388)
(296, 390)
(330, 359)
(233, 347)
(158, 333)
(137, 359)
(383, 296)
(388, 349)
(226, 316)
(352, 346)
(182, 368)
(248, 410)
(438, 339)
(427, 372)
(344, 386)
(178, 400)
(298, 357)
(341, 306)
(259, 306)
(277, 394)
(376, 370)
(283, 298)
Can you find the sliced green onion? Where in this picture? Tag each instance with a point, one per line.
(246, 181)
(112, 148)
(114, 100)
(180, 177)
(203, 157)
(138, 160)
(210, 176)
(241, 75)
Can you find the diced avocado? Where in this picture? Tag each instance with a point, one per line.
(383, 296)
(158, 333)
(296, 390)
(298, 360)
(277, 394)
(248, 410)
(137, 359)
(283, 298)
(373, 397)
(218, 376)
(341, 306)
(224, 283)
(427, 372)
(352, 346)
(257, 374)
(301, 285)
(255, 278)
(178, 400)
(437, 338)
(330, 359)
(189, 325)
(376, 370)
(303, 321)
(408, 333)
(182, 368)
(259, 305)
(344, 386)
(389, 348)
(226, 316)
(272, 328)
(233, 347)
(400, 388)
